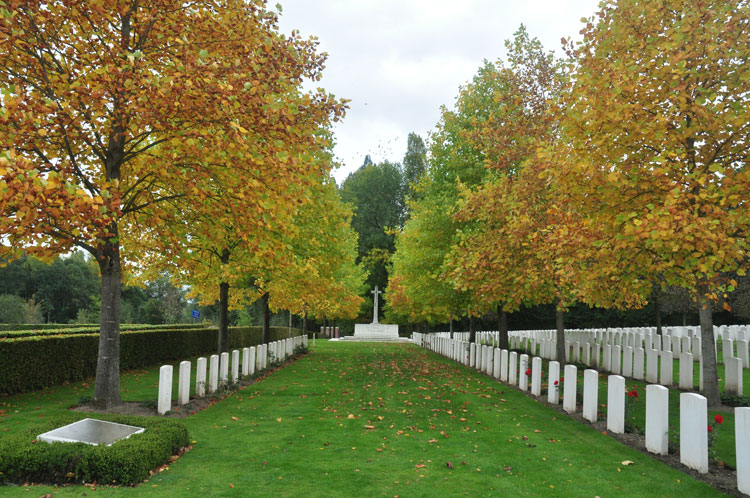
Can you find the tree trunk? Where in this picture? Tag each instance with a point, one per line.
(304, 324)
(107, 384)
(710, 375)
(502, 327)
(224, 309)
(560, 325)
(266, 319)
(657, 307)
(223, 317)
(451, 324)
(472, 332)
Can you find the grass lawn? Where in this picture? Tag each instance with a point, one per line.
(370, 419)
(724, 445)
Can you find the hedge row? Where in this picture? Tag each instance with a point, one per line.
(4, 327)
(57, 329)
(31, 363)
(128, 461)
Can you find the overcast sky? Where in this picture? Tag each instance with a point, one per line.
(398, 61)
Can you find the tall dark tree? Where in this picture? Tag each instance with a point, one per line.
(376, 191)
(415, 162)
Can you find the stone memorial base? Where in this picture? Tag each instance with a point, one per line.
(90, 431)
(375, 332)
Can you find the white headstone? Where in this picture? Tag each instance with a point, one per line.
(473, 354)
(616, 404)
(667, 367)
(587, 358)
(496, 364)
(523, 377)
(513, 368)
(200, 377)
(569, 388)
(245, 362)
(627, 361)
(183, 384)
(733, 374)
(224, 368)
(697, 352)
(259, 358)
(536, 376)
(638, 363)
(616, 359)
(607, 358)
(553, 386)
(164, 403)
(490, 360)
(652, 366)
(504, 365)
(727, 349)
(686, 371)
(743, 353)
(693, 431)
(742, 445)
(235, 366)
(657, 419)
(590, 394)
(213, 373)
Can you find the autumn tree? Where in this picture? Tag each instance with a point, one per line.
(658, 119)
(418, 289)
(112, 108)
(323, 280)
(503, 255)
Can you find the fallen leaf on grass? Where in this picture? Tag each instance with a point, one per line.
(627, 462)
(449, 465)
(369, 427)
(235, 419)
(420, 465)
(278, 419)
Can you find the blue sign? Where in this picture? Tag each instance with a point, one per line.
(196, 314)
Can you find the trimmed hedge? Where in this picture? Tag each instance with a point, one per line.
(4, 327)
(31, 363)
(128, 461)
(56, 329)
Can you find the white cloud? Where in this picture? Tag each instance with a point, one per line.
(400, 60)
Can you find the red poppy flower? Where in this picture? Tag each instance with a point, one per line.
(562, 379)
(710, 429)
(557, 382)
(631, 394)
(528, 371)
(718, 419)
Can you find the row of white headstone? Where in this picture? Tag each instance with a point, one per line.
(734, 340)
(254, 359)
(512, 368)
(627, 353)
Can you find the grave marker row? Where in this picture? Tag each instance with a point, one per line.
(508, 366)
(254, 359)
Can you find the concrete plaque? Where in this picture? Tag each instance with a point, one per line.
(91, 431)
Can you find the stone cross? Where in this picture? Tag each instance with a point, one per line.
(376, 292)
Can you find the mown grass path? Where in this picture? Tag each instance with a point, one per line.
(367, 419)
